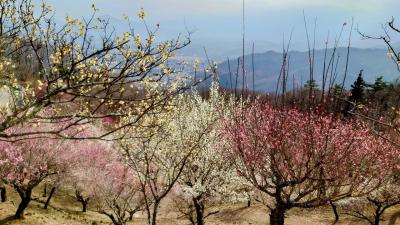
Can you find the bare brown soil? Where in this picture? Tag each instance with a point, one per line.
(64, 210)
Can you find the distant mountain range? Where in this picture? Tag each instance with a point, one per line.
(373, 62)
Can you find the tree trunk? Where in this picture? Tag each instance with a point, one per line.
(115, 221)
(25, 196)
(44, 190)
(377, 221)
(53, 189)
(131, 215)
(82, 200)
(199, 207)
(378, 214)
(248, 203)
(153, 213)
(84, 205)
(3, 194)
(277, 216)
(334, 209)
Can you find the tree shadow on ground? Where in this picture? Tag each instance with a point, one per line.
(6, 220)
(394, 218)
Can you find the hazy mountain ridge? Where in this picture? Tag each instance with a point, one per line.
(374, 62)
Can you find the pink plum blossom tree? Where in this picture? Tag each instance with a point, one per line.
(304, 159)
(101, 177)
(25, 164)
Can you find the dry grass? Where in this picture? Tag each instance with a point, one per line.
(65, 210)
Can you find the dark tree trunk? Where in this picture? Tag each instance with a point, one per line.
(84, 205)
(3, 194)
(334, 209)
(248, 203)
(44, 190)
(82, 200)
(131, 215)
(199, 209)
(25, 196)
(153, 213)
(53, 189)
(277, 216)
(115, 221)
(377, 219)
(379, 210)
(378, 214)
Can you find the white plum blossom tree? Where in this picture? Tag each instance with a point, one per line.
(163, 148)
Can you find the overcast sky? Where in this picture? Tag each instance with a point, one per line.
(218, 22)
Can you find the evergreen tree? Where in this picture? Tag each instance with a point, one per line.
(311, 84)
(336, 90)
(378, 85)
(357, 89)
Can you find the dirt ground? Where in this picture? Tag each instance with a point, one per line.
(65, 211)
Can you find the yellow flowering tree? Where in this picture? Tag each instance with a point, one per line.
(81, 71)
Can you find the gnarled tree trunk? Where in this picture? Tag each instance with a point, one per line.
(277, 216)
(84, 201)
(25, 196)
